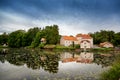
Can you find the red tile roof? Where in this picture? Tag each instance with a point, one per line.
(84, 36)
(69, 38)
(69, 60)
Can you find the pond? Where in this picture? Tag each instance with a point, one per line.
(25, 64)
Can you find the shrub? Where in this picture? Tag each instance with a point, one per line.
(113, 73)
(77, 46)
(41, 45)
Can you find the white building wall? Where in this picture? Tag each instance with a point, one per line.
(84, 55)
(62, 41)
(85, 44)
(88, 45)
(79, 39)
(67, 43)
(91, 41)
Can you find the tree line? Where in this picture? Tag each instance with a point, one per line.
(32, 37)
(106, 35)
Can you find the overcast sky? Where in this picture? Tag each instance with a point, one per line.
(72, 16)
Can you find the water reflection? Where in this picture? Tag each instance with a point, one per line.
(68, 65)
(49, 60)
(4, 51)
(83, 57)
(86, 57)
(104, 59)
(33, 59)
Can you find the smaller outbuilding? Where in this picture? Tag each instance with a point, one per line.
(106, 45)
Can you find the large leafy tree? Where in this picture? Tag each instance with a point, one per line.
(37, 39)
(52, 34)
(15, 38)
(30, 35)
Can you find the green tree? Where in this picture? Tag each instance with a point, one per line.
(52, 34)
(24, 40)
(117, 39)
(37, 39)
(3, 38)
(15, 38)
(103, 36)
(30, 35)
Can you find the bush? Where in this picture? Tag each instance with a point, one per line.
(50, 46)
(77, 46)
(113, 73)
(41, 45)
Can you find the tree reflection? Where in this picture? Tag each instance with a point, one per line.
(104, 60)
(34, 59)
(48, 60)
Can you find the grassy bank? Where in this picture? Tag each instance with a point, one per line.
(102, 49)
(1, 46)
(63, 47)
(114, 72)
(76, 48)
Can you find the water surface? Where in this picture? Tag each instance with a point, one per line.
(24, 64)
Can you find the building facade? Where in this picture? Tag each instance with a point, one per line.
(68, 40)
(84, 40)
(106, 45)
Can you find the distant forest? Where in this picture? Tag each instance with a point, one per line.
(33, 36)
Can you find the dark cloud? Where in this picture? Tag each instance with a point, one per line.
(38, 7)
(68, 12)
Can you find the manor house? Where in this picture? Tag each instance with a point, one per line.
(84, 40)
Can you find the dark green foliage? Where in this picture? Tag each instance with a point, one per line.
(37, 39)
(3, 38)
(15, 38)
(113, 73)
(32, 38)
(51, 34)
(31, 35)
(117, 39)
(77, 46)
(24, 40)
(21, 38)
(41, 45)
(104, 35)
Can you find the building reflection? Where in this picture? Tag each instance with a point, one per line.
(49, 61)
(83, 57)
(3, 51)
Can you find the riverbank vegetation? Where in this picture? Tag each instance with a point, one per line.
(102, 49)
(114, 72)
